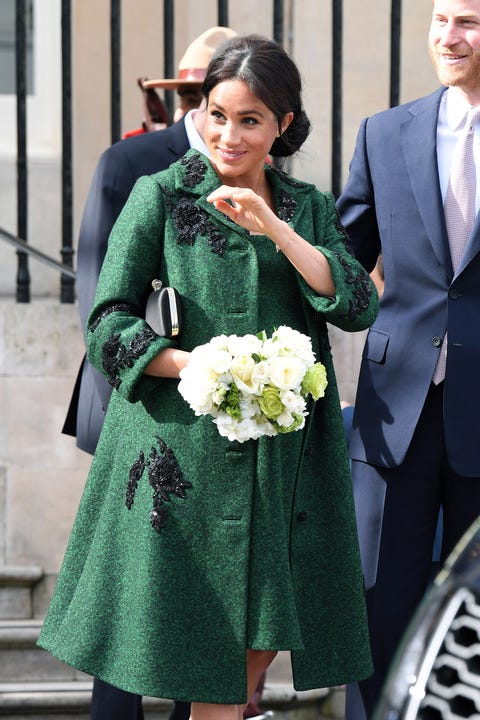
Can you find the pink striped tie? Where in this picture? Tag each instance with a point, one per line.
(459, 209)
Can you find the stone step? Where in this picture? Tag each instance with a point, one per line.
(61, 701)
(22, 660)
(16, 586)
(67, 700)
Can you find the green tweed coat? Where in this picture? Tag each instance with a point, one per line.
(188, 548)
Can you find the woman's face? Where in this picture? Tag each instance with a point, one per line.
(240, 130)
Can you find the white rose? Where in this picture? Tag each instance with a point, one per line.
(242, 368)
(286, 372)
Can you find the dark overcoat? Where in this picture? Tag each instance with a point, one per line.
(118, 169)
(153, 595)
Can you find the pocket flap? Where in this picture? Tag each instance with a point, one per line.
(376, 346)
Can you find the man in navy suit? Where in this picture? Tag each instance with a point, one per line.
(118, 169)
(415, 441)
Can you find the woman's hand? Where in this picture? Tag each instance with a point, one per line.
(252, 212)
(168, 363)
(246, 208)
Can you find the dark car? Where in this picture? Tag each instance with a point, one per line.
(436, 671)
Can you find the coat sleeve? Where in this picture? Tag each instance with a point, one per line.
(120, 344)
(356, 205)
(355, 304)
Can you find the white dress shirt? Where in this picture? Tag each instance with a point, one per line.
(451, 121)
(196, 141)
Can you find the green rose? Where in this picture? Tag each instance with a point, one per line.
(270, 403)
(315, 381)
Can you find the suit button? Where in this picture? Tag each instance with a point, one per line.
(436, 341)
(454, 294)
(302, 516)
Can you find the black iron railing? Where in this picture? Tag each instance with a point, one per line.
(21, 241)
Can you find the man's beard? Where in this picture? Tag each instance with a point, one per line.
(467, 74)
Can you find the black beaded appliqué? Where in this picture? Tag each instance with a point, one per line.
(286, 206)
(116, 356)
(118, 307)
(191, 221)
(362, 290)
(164, 476)
(195, 170)
(343, 233)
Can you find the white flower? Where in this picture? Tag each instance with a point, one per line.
(293, 402)
(246, 345)
(253, 385)
(295, 343)
(242, 368)
(286, 372)
(285, 419)
(260, 374)
(246, 429)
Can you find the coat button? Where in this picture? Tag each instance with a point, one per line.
(302, 516)
(454, 294)
(436, 341)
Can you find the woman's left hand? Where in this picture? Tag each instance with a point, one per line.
(246, 208)
(253, 213)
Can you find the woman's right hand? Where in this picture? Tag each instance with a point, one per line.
(168, 363)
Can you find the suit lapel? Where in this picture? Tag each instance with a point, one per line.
(419, 142)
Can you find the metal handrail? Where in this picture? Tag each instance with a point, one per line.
(23, 246)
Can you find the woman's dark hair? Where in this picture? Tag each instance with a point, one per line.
(272, 76)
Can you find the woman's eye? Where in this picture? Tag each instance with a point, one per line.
(217, 115)
(250, 121)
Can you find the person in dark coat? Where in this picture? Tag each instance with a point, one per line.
(193, 558)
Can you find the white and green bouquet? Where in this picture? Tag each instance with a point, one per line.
(254, 385)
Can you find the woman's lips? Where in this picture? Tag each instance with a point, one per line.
(230, 155)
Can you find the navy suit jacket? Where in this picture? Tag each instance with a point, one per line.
(392, 201)
(118, 169)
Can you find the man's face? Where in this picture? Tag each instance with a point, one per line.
(454, 44)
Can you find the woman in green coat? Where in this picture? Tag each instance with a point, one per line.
(194, 559)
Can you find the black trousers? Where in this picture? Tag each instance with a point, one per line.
(397, 511)
(111, 703)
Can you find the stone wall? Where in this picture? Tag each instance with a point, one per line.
(42, 472)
